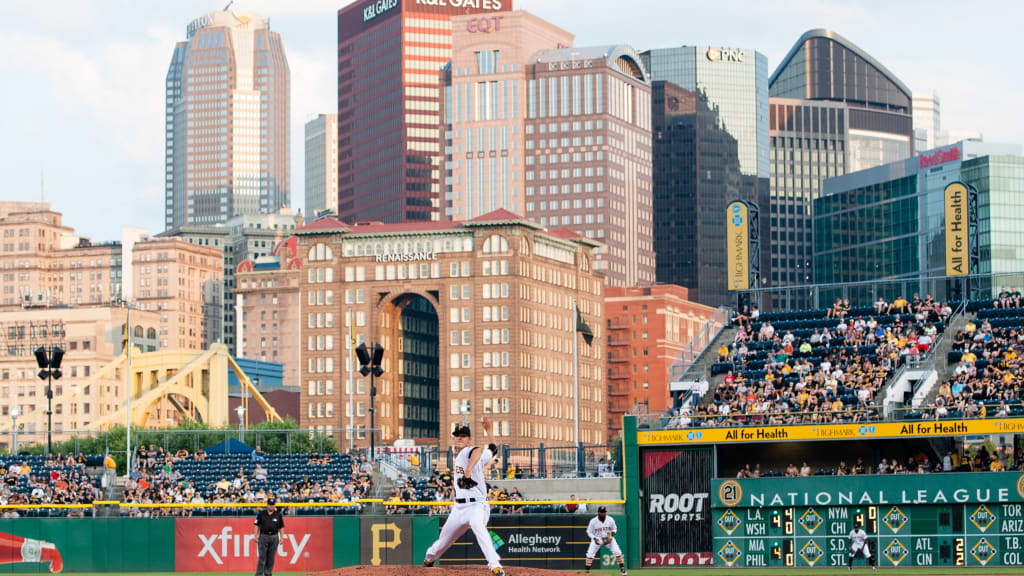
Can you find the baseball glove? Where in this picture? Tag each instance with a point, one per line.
(465, 483)
(607, 540)
(598, 542)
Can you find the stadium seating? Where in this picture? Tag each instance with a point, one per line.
(768, 382)
(61, 483)
(290, 477)
(988, 373)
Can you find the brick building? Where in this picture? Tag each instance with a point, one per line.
(44, 264)
(648, 327)
(267, 309)
(91, 338)
(477, 322)
(556, 133)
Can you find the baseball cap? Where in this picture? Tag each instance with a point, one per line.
(602, 510)
(271, 502)
(461, 430)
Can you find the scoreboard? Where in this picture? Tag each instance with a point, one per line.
(911, 520)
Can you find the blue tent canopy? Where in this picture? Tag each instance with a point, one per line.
(230, 446)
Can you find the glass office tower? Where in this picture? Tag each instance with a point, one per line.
(834, 110)
(710, 144)
(889, 222)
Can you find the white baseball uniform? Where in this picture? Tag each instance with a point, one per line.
(470, 510)
(859, 543)
(597, 531)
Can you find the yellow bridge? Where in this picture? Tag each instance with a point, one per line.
(194, 382)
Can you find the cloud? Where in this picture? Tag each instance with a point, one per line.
(120, 89)
(76, 15)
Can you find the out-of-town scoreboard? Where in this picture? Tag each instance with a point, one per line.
(936, 519)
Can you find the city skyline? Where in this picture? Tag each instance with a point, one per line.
(95, 75)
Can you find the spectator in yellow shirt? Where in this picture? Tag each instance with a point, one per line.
(997, 465)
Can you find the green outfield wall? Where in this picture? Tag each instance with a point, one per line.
(310, 543)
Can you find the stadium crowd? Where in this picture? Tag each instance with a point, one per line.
(158, 478)
(438, 488)
(978, 459)
(989, 372)
(816, 366)
(54, 479)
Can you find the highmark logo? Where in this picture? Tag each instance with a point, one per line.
(737, 216)
(691, 435)
(498, 542)
(866, 430)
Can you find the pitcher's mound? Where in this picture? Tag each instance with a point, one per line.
(435, 571)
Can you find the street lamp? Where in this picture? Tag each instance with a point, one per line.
(370, 364)
(14, 440)
(240, 410)
(49, 368)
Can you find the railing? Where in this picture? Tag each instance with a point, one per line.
(973, 412)
(539, 462)
(285, 441)
(707, 334)
(924, 361)
(942, 288)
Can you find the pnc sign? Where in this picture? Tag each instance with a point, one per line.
(724, 54)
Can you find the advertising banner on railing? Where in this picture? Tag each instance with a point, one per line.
(229, 545)
(677, 506)
(855, 431)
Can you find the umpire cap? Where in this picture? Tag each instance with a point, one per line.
(271, 502)
(461, 430)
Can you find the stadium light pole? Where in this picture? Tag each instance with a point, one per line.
(240, 410)
(14, 430)
(49, 368)
(370, 364)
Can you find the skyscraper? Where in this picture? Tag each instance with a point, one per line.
(928, 132)
(227, 121)
(555, 133)
(321, 164)
(710, 144)
(834, 110)
(390, 54)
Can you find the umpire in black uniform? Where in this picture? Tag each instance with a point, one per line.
(269, 524)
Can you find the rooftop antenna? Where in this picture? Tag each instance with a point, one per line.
(228, 6)
(42, 188)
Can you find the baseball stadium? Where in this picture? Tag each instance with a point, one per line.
(880, 433)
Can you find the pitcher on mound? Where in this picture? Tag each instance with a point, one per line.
(470, 511)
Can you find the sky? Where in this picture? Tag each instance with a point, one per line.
(83, 99)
